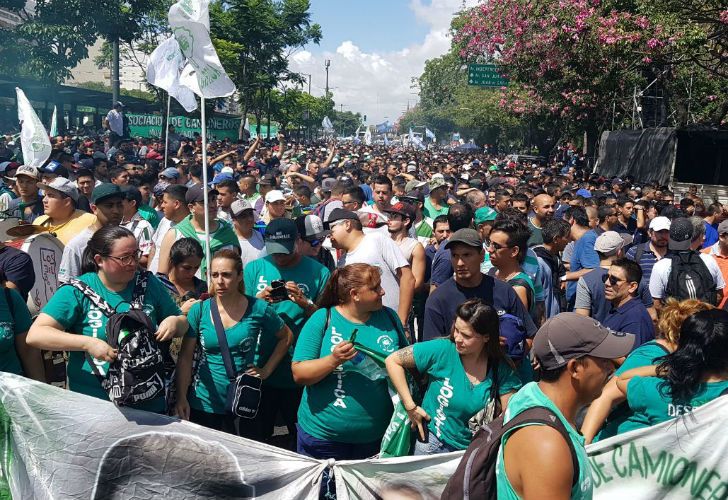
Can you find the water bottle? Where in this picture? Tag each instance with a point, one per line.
(361, 363)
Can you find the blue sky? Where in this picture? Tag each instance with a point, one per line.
(375, 48)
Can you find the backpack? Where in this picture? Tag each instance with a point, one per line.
(320, 210)
(138, 372)
(690, 278)
(475, 475)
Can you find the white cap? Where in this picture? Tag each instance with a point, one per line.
(660, 224)
(274, 196)
(227, 170)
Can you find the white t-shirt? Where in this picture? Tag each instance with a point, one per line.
(71, 260)
(381, 251)
(143, 232)
(661, 274)
(251, 249)
(164, 225)
(116, 122)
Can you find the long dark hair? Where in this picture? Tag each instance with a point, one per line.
(702, 349)
(183, 249)
(484, 320)
(101, 243)
(345, 279)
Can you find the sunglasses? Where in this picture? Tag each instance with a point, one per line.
(613, 280)
(314, 242)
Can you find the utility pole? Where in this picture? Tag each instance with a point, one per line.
(326, 65)
(114, 71)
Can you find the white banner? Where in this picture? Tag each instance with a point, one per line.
(368, 137)
(163, 71)
(59, 444)
(203, 74)
(33, 136)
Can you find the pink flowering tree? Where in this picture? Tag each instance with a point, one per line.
(579, 60)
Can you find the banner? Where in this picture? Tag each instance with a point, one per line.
(203, 74)
(163, 71)
(34, 139)
(59, 444)
(149, 125)
(54, 122)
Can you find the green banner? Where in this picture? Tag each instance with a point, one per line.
(149, 125)
(485, 75)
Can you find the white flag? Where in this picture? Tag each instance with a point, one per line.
(54, 122)
(368, 137)
(326, 124)
(247, 125)
(33, 136)
(163, 71)
(203, 74)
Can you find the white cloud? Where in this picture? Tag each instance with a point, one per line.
(379, 84)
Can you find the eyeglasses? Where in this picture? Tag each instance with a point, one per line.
(313, 242)
(497, 246)
(126, 260)
(613, 280)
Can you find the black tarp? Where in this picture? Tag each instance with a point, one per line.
(647, 154)
(701, 155)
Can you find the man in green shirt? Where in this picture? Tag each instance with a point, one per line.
(304, 279)
(575, 354)
(436, 203)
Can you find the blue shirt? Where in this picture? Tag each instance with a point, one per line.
(632, 317)
(584, 257)
(441, 265)
(711, 235)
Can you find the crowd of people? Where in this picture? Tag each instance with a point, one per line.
(496, 284)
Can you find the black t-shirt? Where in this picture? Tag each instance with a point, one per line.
(17, 267)
(444, 301)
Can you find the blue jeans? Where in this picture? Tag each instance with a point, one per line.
(320, 448)
(433, 446)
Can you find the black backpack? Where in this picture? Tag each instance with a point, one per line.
(475, 476)
(690, 278)
(138, 372)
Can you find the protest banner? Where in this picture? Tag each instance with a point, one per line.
(60, 444)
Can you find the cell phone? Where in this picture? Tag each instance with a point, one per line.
(278, 290)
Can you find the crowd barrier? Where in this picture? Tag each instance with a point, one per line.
(59, 444)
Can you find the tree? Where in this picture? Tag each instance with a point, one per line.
(256, 57)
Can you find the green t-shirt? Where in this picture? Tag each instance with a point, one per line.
(311, 277)
(423, 229)
(12, 324)
(529, 396)
(345, 406)
(78, 315)
(209, 388)
(451, 399)
(619, 420)
(149, 214)
(431, 212)
(650, 401)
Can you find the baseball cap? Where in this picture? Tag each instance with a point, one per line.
(274, 195)
(8, 165)
(267, 180)
(411, 168)
(413, 184)
(484, 214)
(414, 196)
(119, 104)
(584, 193)
(159, 187)
(86, 163)
(403, 209)
(681, 234)
(723, 227)
(54, 167)
(239, 206)
(569, 336)
(311, 226)
(219, 178)
(280, 236)
(328, 184)
(170, 173)
(28, 171)
(62, 185)
(436, 182)
(660, 223)
(99, 155)
(465, 236)
(608, 243)
(338, 214)
(104, 191)
(196, 194)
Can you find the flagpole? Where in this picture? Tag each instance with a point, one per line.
(206, 201)
(166, 132)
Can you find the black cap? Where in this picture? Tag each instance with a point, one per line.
(681, 234)
(268, 180)
(340, 214)
(196, 193)
(466, 236)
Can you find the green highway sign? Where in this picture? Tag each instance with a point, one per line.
(485, 75)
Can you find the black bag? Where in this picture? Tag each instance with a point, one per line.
(475, 476)
(243, 392)
(690, 278)
(137, 374)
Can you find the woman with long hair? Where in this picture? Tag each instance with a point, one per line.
(70, 322)
(346, 406)
(609, 412)
(247, 322)
(185, 258)
(465, 371)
